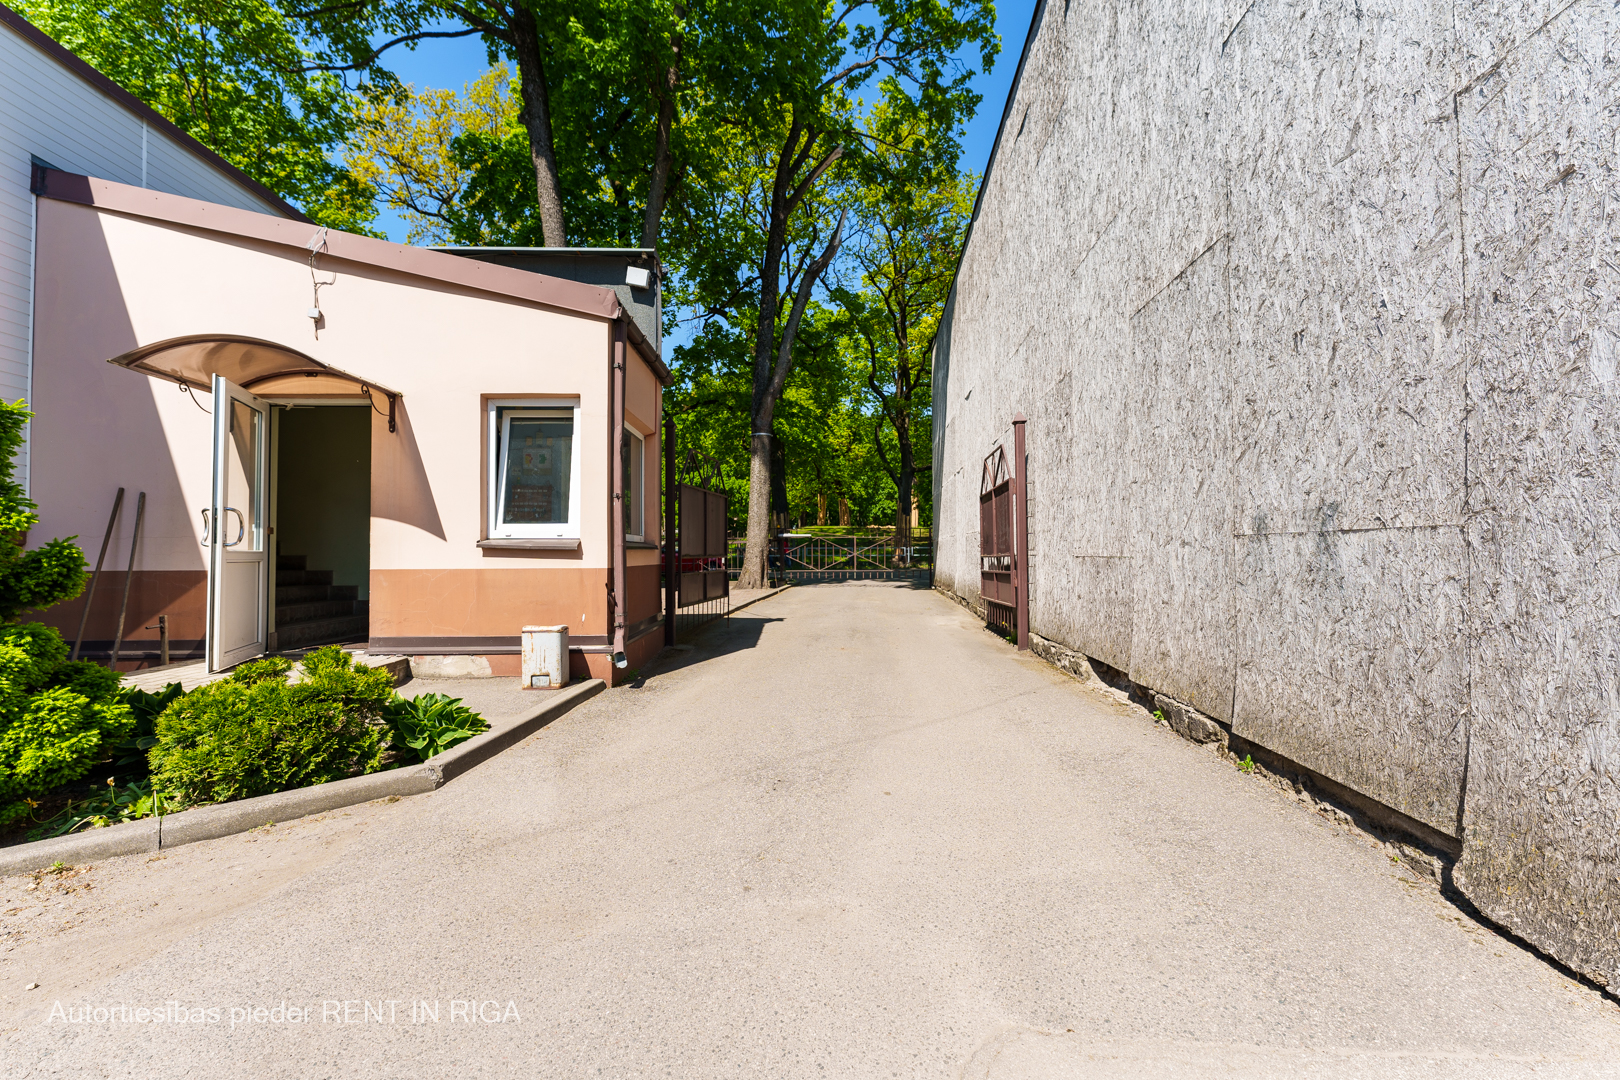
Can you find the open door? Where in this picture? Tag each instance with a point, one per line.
(238, 555)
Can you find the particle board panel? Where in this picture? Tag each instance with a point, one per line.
(1346, 266)
(1182, 492)
(1353, 663)
(1542, 820)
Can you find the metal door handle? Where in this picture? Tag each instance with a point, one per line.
(205, 528)
(241, 525)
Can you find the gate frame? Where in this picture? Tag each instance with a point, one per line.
(991, 535)
(703, 468)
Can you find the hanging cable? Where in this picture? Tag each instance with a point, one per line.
(316, 245)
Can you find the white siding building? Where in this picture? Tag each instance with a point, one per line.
(57, 110)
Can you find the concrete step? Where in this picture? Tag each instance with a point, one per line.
(288, 614)
(303, 577)
(322, 632)
(304, 594)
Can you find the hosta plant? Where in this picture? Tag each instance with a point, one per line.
(430, 724)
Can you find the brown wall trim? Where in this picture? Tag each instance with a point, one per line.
(76, 64)
(645, 627)
(141, 649)
(449, 646)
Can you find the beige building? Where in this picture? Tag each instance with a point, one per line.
(342, 438)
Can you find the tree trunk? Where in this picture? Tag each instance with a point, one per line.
(755, 568)
(903, 483)
(658, 183)
(536, 116)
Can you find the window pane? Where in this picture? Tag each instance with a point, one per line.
(243, 515)
(539, 462)
(633, 449)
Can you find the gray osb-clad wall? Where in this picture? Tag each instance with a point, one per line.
(1313, 311)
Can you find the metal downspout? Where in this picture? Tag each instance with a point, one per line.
(672, 539)
(618, 590)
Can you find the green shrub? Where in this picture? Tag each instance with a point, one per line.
(54, 716)
(126, 755)
(49, 574)
(254, 733)
(429, 725)
(258, 671)
(56, 719)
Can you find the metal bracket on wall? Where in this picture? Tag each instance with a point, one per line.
(392, 398)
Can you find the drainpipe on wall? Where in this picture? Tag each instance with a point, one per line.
(618, 590)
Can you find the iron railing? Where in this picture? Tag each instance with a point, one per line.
(875, 555)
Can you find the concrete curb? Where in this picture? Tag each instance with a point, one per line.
(130, 838)
(480, 748)
(226, 819)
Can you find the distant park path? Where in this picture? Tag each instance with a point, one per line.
(850, 834)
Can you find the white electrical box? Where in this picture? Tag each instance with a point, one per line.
(545, 657)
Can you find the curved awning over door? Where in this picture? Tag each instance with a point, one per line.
(261, 367)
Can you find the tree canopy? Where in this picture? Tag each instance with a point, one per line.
(794, 162)
(260, 82)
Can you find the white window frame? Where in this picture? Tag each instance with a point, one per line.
(637, 495)
(496, 427)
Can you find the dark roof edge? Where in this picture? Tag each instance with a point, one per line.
(649, 355)
(458, 248)
(995, 147)
(74, 63)
(562, 294)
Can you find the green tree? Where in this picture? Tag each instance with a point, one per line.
(601, 85)
(809, 62)
(412, 148)
(912, 210)
(260, 82)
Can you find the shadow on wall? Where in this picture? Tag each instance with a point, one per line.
(400, 490)
(98, 428)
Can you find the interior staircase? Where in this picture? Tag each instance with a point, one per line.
(310, 610)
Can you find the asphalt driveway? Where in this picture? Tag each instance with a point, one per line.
(851, 834)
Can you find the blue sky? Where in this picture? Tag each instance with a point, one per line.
(449, 64)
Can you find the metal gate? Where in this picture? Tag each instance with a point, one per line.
(1003, 539)
(696, 586)
(996, 554)
(876, 554)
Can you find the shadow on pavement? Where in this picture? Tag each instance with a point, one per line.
(740, 631)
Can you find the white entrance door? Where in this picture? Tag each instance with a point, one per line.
(238, 557)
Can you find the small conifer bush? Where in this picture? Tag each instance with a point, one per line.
(257, 732)
(56, 718)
